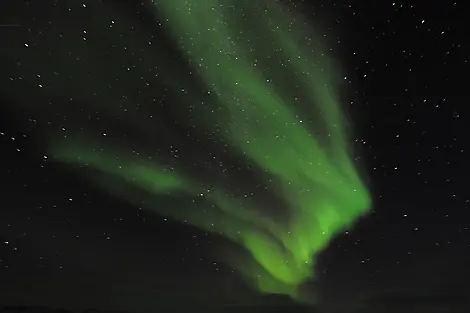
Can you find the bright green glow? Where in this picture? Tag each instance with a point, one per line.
(259, 66)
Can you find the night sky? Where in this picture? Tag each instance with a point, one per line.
(111, 74)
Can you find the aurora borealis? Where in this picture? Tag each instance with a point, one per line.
(322, 190)
(191, 156)
(270, 96)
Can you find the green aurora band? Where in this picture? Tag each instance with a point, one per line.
(263, 67)
(256, 111)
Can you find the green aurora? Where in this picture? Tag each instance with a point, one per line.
(272, 96)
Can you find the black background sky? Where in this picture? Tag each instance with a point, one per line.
(64, 243)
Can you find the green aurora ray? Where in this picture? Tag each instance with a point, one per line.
(263, 67)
